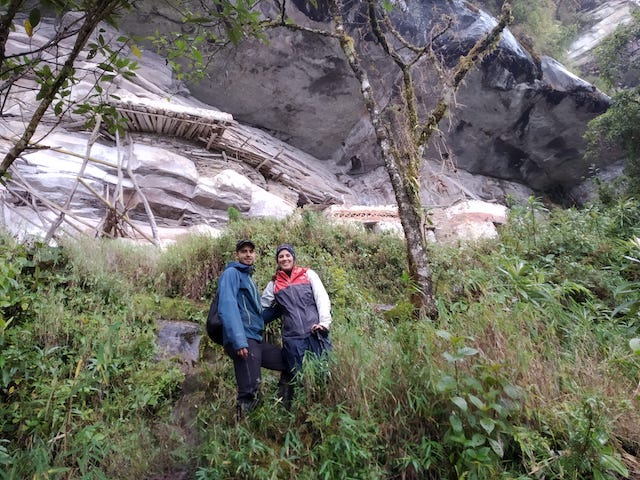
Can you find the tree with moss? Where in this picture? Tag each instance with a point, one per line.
(403, 128)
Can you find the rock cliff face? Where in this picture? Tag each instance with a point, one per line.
(517, 127)
(181, 164)
(518, 118)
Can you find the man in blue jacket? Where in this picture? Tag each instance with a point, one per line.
(241, 314)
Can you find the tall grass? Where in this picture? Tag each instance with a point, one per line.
(527, 373)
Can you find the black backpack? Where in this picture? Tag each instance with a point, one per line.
(214, 323)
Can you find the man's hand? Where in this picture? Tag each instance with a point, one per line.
(243, 353)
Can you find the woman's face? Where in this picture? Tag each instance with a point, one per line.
(285, 260)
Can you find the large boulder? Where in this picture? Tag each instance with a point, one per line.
(517, 118)
(184, 180)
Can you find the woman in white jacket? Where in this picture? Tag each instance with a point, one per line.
(298, 296)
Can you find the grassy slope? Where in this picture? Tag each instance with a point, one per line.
(527, 373)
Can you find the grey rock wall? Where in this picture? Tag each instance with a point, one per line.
(516, 129)
(517, 118)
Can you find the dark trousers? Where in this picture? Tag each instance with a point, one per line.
(247, 370)
(294, 349)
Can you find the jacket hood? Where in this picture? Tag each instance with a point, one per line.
(242, 267)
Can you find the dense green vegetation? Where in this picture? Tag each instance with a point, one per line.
(617, 128)
(531, 370)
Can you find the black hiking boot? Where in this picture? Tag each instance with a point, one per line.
(285, 393)
(244, 408)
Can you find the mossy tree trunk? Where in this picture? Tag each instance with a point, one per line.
(403, 136)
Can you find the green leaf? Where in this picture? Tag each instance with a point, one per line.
(499, 409)
(456, 423)
(80, 109)
(197, 56)
(496, 446)
(476, 440)
(450, 358)
(446, 384)
(461, 403)
(614, 463)
(476, 401)
(513, 392)
(467, 351)
(34, 17)
(443, 334)
(106, 67)
(488, 424)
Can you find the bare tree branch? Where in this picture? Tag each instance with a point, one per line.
(98, 12)
(147, 208)
(85, 162)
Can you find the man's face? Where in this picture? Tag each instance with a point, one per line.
(246, 255)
